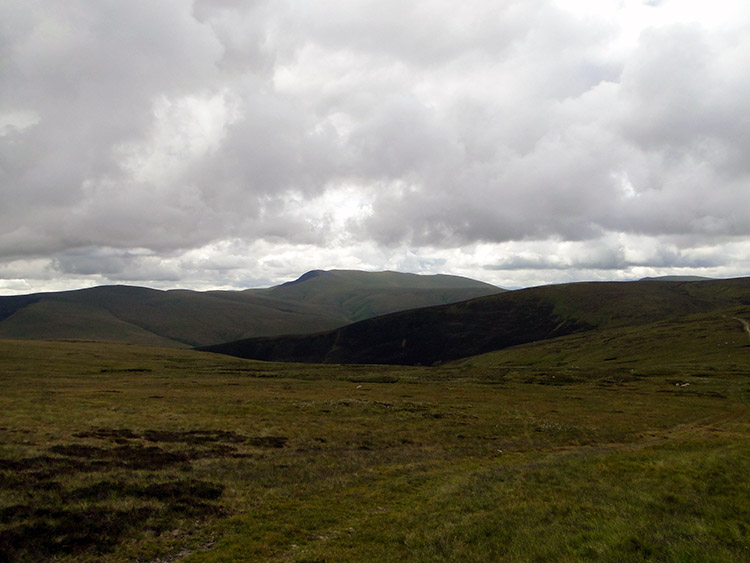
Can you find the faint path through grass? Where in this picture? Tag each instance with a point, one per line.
(744, 324)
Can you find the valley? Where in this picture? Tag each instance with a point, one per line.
(433, 335)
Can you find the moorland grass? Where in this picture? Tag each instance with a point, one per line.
(119, 453)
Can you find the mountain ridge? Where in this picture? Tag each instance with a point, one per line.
(450, 332)
(186, 318)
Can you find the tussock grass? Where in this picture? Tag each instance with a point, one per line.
(118, 453)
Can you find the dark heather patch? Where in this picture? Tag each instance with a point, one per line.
(69, 532)
(122, 435)
(186, 490)
(180, 490)
(30, 471)
(105, 433)
(77, 450)
(144, 457)
(43, 533)
(125, 455)
(40, 530)
(268, 441)
(193, 436)
(16, 512)
(23, 481)
(220, 450)
(48, 486)
(30, 463)
(98, 491)
(125, 370)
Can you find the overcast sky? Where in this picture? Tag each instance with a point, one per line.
(233, 143)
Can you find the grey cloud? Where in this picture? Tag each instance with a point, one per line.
(683, 90)
(109, 262)
(402, 138)
(683, 95)
(174, 125)
(387, 29)
(241, 28)
(669, 129)
(90, 72)
(606, 259)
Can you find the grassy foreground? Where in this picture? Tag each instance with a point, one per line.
(120, 453)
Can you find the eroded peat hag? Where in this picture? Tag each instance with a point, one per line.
(81, 500)
(150, 472)
(503, 459)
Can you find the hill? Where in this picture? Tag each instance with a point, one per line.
(676, 278)
(699, 345)
(181, 318)
(362, 295)
(450, 332)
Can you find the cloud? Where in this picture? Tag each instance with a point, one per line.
(136, 136)
(614, 253)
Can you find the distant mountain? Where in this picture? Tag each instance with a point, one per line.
(358, 295)
(676, 278)
(437, 334)
(318, 300)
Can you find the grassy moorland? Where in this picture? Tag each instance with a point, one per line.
(606, 447)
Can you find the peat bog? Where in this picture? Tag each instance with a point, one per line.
(40, 528)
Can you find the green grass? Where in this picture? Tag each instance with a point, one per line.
(119, 453)
(50, 319)
(695, 345)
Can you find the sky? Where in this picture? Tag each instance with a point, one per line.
(229, 144)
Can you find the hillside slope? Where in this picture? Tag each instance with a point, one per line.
(141, 315)
(315, 302)
(437, 334)
(695, 345)
(362, 295)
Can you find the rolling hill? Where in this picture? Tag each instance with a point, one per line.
(319, 300)
(460, 330)
(698, 345)
(361, 295)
